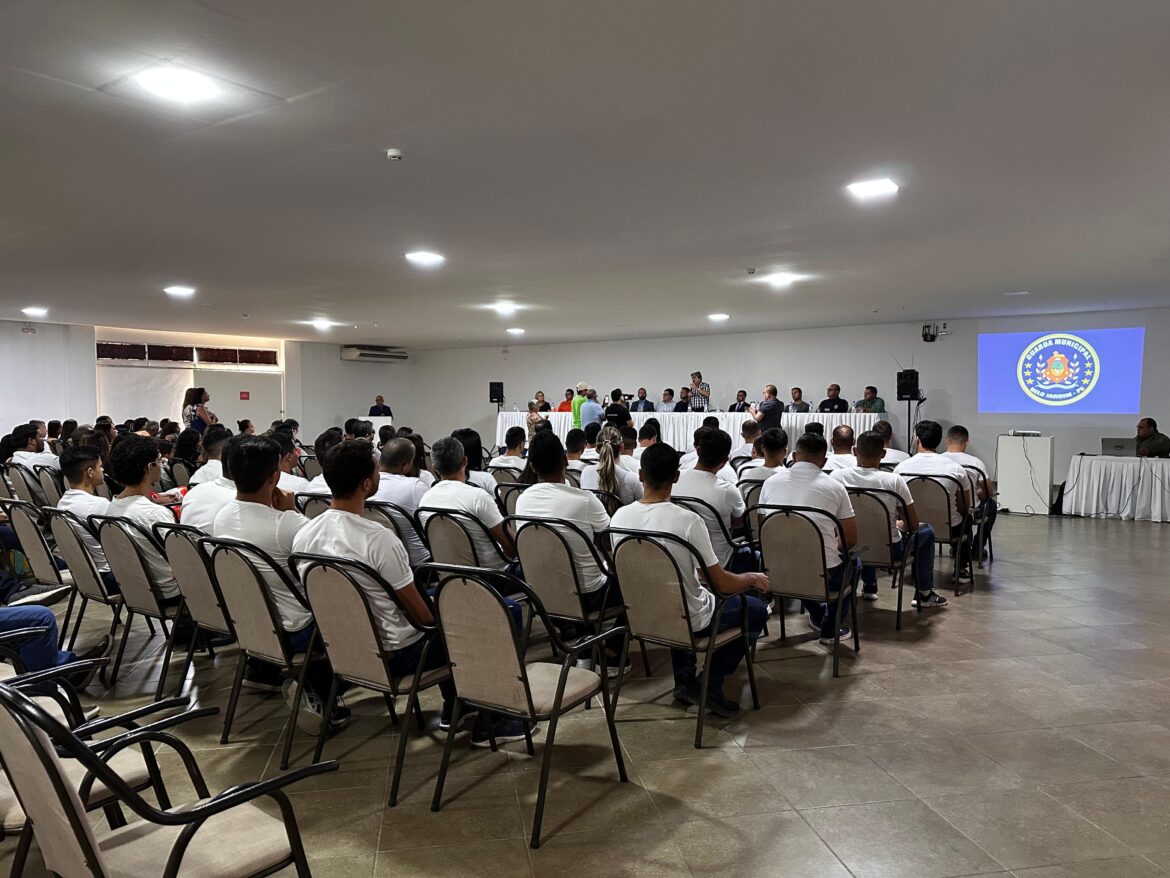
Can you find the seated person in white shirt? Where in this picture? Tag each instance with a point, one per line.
(891, 455)
(321, 447)
(688, 460)
(473, 448)
(574, 448)
(591, 454)
(30, 452)
(647, 436)
(135, 464)
(803, 484)
(957, 439)
(341, 532)
(214, 438)
(702, 483)
(453, 491)
(928, 462)
(629, 444)
(398, 483)
(750, 431)
(667, 404)
(289, 457)
(868, 474)
(362, 429)
(655, 512)
(204, 501)
(774, 443)
(81, 466)
(842, 445)
(608, 475)
(513, 456)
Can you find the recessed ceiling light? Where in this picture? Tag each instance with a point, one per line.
(515, 330)
(177, 84)
(179, 292)
(321, 324)
(1018, 293)
(425, 258)
(504, 309)
(718, 318)
(35, 312)
(869, 190)
(782, 280)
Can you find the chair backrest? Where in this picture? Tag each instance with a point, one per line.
(482, 643)
(50, 482)
(67, 530)
(652, 585)
(750, 491)
(738, 461)
(119, 538)
(5, 488)
(933, 503)
(45, 793)
(572, 477)
(193, 575)
(312, 505)
(26, 522)
(391, 515)
(549, 565)
(180, 473)
(22, 480)
(504, 475)
(980, 478)
(611, 501)
(312, 467)
(250, 608)
(507, 493)
(448, 534)
(792, 549)
(874, 523)
(347, 623)
(716, 526)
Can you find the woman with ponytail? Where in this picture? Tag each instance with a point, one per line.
(608, 474)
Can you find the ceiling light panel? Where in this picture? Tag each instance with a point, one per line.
(190, 93)
(873, 190)
(425, 258)
(177, 291)
(35, 311)
(515, 330)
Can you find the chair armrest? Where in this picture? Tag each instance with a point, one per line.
(578, 646)
(177, 719)
(51, 674)
(146, 737)
(238, 795)
(127, 719)
(23, 634)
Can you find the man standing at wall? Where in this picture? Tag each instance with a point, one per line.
(578, 401)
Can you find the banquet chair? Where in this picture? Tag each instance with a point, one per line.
(181, 473)
(933, 503)
(311, 465)
(716, 526)
(26, 521)
(486, 653)
(50, 482)
(119, 538)
(979, 512)
(572, 477)
(448, 533)
(611, 501)
(25, 485)
(750, 491)
(393, 516)
(873, 533)
(504, 475)
(312, 505)
(656, 605)
(792, 551)
(67, 532)
(224, 835)
(737, 462)
(5, 488)
(351, 633)
(507, 493)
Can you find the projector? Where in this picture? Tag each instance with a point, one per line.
(1023, 432)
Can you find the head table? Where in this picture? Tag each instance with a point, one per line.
(1131, 488)
(678, 429)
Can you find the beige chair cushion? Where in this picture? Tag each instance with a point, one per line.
(725, 636)
(542, 682)
(402, 684)
(239, 842)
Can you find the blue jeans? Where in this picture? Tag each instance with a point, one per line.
(819, 611)
(38, 653)
(727, 657)
(923, 562)
(404, 662)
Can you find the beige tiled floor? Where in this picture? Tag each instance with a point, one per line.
(1025, 730)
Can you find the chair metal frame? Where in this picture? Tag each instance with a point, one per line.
(979, 515)
(312, 505)
(505, 583)
(23, 483)
(504, 475)
(509, 492)
(49, 478)
(394, 516)
(462, 520)
(896, 568)
(704, 509)
(94, 588)
(611, 501)
(939, 482)
(183, 479)
(27, 519)
(621, 536)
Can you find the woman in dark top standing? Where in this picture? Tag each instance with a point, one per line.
(196, 415)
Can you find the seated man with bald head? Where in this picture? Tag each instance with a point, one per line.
(842, 444)
(399, 483)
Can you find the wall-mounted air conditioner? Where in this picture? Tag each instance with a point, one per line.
(370, 353)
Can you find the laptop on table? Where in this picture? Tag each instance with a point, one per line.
(1126, 447)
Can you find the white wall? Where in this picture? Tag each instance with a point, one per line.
(321, 390)
(48, 375)
(451, 386)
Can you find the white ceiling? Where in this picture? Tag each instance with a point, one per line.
(615, 166)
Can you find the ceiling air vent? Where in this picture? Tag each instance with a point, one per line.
(369, 353)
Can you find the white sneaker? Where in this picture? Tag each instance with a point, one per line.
(869, 595)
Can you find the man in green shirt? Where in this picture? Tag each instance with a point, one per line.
(578, 401)
(1151, 443)
(871, 402)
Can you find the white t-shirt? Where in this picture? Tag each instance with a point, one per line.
(688, 526)
(840, 461)
(273, 531)
(879, 480)
(202, 503)
(481, 479)
(928, 463)
(744, 450)
(292, 483)
(758, 472)
(725, 498)
(638, 451)
(146, 513)
(590, 454)
(33, 459)
(426, 477)
(406, 492)
(338, 534)
(548, 500)
(317, 486)
(629, 485)
(516, 464)
(802, 484)
(963, 459)
(576, 465)
(463, 497)
(629, 462)
(84, 505)
(894, 455)
(689, 459)
(210, 471)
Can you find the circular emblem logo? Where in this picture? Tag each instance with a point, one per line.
(1058, 369)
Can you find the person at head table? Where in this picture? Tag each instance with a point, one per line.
(832, 401)
(379, 409)
(1151, 443)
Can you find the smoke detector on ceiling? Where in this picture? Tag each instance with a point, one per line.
(28, 329)
(395, 155)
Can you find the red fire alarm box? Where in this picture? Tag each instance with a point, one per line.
(244, 394)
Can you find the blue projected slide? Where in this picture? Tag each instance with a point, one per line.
(1084, 371)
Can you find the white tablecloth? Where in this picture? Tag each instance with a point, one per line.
(1127, 487)
(678, 429)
